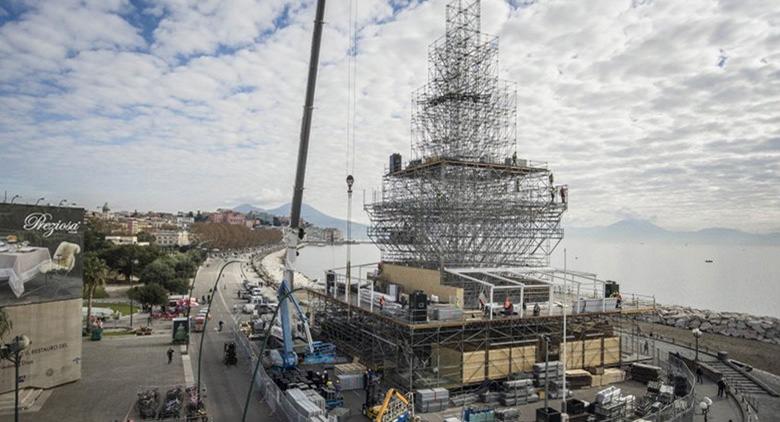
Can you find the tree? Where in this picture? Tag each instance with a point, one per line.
(121, 258)
(184, 267)
(146, 237)
(149, 295)
(95, 237)
(158, 272)
(95, 275)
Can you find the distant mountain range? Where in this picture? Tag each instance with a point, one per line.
(312, 215)
(628, 229)
(634, 229)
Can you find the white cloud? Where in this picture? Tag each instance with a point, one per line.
(627, 104)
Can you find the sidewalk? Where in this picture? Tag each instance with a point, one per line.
(113, 370)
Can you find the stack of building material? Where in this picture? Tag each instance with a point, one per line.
(579, 378)
(507, 415)
(351, 376)
(315, 398)
(612, 405)
(645, 373)
(556, 389)
(339, 414)
(463, 399)
(480, 415)
(554, 370)
(612, 375)
(431, 400)
(517, 392)
(301, 404)
(446, 313)
(490, 397)
(666, 394)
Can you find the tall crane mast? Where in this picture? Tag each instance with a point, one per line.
(294, 233)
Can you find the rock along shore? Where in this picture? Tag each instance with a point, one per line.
(732, 324)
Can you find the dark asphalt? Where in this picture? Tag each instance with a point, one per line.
(225, 386)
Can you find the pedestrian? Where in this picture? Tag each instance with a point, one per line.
(220, 325)
(170, 355)
(721, 387)
(647, 347)
(381, 303)
(699, 374)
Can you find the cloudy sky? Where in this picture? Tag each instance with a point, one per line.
(662, 110)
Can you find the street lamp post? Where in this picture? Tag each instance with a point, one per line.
(39, 200)
(132, 302)
(350, 181)
(15, 197)
(62, 202)
(696, 334)
(12, 352)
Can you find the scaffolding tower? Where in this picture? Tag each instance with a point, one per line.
(465, 199)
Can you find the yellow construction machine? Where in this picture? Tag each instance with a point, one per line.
(394, 408)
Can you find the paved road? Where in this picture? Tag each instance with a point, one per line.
(225, 386)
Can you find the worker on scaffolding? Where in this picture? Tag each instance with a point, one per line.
(509, 309)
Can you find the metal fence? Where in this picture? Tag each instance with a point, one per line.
(683, 408)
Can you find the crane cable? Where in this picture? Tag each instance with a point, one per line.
(351, 63)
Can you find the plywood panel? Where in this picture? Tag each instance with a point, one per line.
(574, 354)
(412, 278)
(498, 363)
(473, 367)
(522, 358)
(592, 352)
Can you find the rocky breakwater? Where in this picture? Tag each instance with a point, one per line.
(732, 324)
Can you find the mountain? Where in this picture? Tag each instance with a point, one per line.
(312, 215)
(247, 208)
(640, 230)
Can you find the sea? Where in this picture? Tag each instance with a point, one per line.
(740, 278)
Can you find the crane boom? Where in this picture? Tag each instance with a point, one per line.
(292, 234)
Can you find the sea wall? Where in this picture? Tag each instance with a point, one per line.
(732, 324)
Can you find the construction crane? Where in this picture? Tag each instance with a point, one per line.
(294, 233)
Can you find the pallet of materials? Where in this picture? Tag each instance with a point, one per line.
(517, 392)
(446, 313)
(480, 415)
(507, 415)
(579, 378)
(431, 400)
(645, 373)
(554, 369)
(350, 382)
(339, 414)
(301, 404)
(463, 399)
(612, 375)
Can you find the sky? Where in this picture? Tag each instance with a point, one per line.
(650, 109)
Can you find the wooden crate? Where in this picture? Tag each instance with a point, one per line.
(611, 351)
(498, 363)
(575, 356)
(473, 366)
(522, 359)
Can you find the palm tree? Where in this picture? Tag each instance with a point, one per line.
(96, 273)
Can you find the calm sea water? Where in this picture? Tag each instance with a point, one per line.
(742, 278)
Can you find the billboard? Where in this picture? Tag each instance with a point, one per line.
(54, 355)
(41, 254)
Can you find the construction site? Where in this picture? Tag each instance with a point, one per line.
(465, 296)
